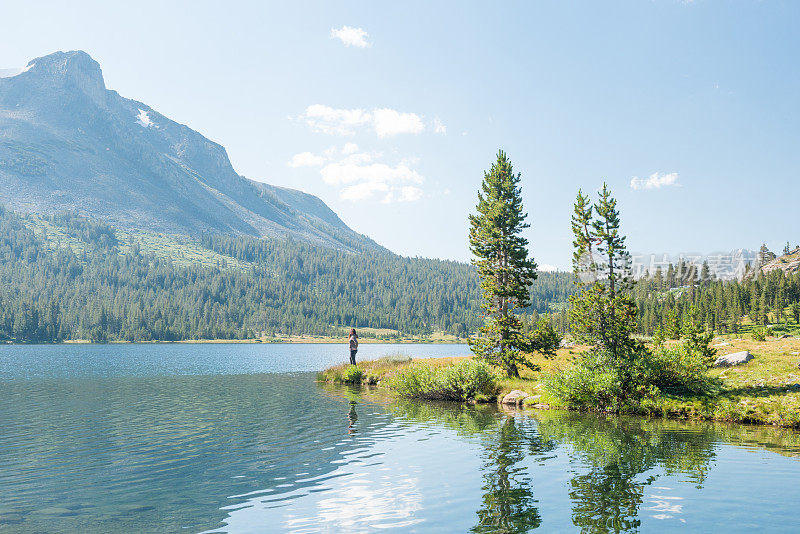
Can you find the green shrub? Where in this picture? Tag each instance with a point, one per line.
(465, 380)
(697, 340)
(597, 381)
(678, 369)
(592, 382)
(352, 375)
(759, 334)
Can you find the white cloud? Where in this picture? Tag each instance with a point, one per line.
(348, 154)
(328, 120)
(656, 180)
(362, 191)
(359, 158)
(363, 179)
(330, 152)
(345, 172)
(306, 159)
(384, 121)
(362, 175)
(439, 127)
(406, 193)
(409, 193)
(390, 122)
(351, 36)
(547, 268)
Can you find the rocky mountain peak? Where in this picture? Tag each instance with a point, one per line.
(69, 144)
(61, 71)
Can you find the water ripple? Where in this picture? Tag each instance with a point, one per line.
(280, 453)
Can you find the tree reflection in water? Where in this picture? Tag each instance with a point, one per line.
(617, 452)
(613, 459)
(508, 504)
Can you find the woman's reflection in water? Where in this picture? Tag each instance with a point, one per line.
(352, 417)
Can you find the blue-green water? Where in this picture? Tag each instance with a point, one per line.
(239, 438)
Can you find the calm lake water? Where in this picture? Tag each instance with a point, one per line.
(240, 438)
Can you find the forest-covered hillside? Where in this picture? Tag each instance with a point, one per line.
(684, 294)
(66, 277)
(764, 298)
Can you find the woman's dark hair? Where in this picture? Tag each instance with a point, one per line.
(353, 332)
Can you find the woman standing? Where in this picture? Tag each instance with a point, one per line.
(353, 346)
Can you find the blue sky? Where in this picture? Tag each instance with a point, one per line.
(391, 111)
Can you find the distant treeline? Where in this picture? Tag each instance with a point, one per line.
(667, 300)
(53, 293)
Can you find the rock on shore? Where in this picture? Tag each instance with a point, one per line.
(515, 397)
(737, 358)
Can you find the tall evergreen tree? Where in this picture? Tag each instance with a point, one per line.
(705, 273)
(615, 263)
(765, 255)
(582, 258)
(506, 272)
(604, 314)
(658, 279)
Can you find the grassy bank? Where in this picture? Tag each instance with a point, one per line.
(765, 390)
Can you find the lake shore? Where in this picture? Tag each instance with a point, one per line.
(764, 391)
(309, 340)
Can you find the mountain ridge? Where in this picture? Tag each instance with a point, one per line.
(67, 143)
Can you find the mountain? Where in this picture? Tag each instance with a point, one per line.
(67, 143)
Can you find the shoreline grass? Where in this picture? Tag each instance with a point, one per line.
(764, 391)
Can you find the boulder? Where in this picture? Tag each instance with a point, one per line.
(515, 397)
(737, 358)
(533, 399)
(540, 406)
(723, 344)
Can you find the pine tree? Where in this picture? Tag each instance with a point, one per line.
(765, 255)
(671, 279)
(615, 263)
(604, 314)
(658, 279)
(582, 257)
(755, 310)
(763, 306)
(697, 339)
(672, 324)
(506, 272)
(780, 303)
(705, 273)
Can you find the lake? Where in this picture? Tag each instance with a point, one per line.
(240, 438)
